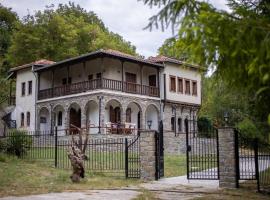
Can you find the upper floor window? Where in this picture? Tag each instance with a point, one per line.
(29, 87)
(23, 88)
(28, 118)
(187, 84)
(152, 80)
(173, 124)
(22, 119)
(90, 77)
(194, 88)
(172, 84)
(130, 77)
(98, 75)
(59, 118)
(180, 85)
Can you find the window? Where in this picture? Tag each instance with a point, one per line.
(64, 80)
(172, 123)
(179, 123)
(172, 84)
(28, 119)
(187, 84)
(23, 88)
(90, 77)
(131, 78)
(194, 88)
(180, 85)
(98, 75)
(43, 120)
(29, 87)
(152, 80)
(59, 118)
(22, 119)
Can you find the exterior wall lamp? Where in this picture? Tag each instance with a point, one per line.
(149, 124)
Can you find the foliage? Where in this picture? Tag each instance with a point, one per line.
(235, 42)
(205, 127)
(249, 129)
(18, 143)
(61, 33)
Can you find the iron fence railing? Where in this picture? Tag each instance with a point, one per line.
(114, 155)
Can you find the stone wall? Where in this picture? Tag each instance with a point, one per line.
(227, 162)
(174, 144)
(147, 155)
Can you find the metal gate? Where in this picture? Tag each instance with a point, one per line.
(202, 152)
(159, 152)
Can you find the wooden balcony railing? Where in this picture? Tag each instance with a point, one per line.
(110, 84)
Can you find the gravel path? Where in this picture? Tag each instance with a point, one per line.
(167, 188)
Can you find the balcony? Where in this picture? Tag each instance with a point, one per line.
(95, 84)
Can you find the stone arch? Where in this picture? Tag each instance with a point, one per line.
(152, 117)
(44, 120)
(74, 115)
(113, 111)
(134, 114)
(91, 111)
(60, 115)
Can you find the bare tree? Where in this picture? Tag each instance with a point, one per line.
(76, 154)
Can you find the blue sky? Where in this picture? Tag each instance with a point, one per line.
(125, 17)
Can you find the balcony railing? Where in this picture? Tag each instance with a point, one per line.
(95, 84)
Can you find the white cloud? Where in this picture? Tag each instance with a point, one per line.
(125, 17)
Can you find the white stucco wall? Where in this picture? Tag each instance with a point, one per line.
(185, 73)
(25, 103)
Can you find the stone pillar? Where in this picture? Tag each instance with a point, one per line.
(227, 160)
(147, 155)
(123, 114)
(102, 116)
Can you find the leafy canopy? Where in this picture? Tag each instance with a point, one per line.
(235, 42)
(61, 33)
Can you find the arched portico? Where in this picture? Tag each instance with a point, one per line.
(59, 119)
(134, 115)
(74, 113)
(151, 117)
(44, 120)
(92, 116)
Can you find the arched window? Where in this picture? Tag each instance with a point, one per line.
(172, 123)
(179, 123)
(28, 119)
(59, 118)
(22, 119)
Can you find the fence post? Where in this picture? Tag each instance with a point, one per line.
(227, 159)
(126, 157)
(257, 173)
(55, 146)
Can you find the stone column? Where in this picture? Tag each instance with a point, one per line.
(102, 116)
(227, 160)
(147, 155)
(83, 119)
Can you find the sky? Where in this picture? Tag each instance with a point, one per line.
(125, 17)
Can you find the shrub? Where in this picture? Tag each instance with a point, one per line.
(249, 129)
(204, 127)
(18, 142)
(3, 145)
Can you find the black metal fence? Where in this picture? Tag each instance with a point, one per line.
(113, 155)
(202, 152)
(253, 160)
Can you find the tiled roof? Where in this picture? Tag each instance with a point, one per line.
(161, 59)
(41, 62)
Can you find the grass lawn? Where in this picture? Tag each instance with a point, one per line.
(21, 177)
(175, 165)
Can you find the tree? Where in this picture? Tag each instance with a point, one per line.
(61, 33)
(236, 42)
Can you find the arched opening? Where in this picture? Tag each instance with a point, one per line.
(113, 112)
(133, 116)
(75, 116)
(151, 117)
(44, 120)
(92, 116)
(59, 117)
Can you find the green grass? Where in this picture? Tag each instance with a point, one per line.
(175, 165)
(24, 177)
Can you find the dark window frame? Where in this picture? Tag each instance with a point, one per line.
(187, 89)
(28, 118)
(174, 83)
(30, 87)
(60, 118)
(194, 92)
(23, 89)
(180, 88)
(22, 119)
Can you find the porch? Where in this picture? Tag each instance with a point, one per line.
(95, 84)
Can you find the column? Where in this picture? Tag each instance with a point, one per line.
(147, 155)
(227, 158)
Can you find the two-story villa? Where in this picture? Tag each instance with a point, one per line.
(105, 87)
